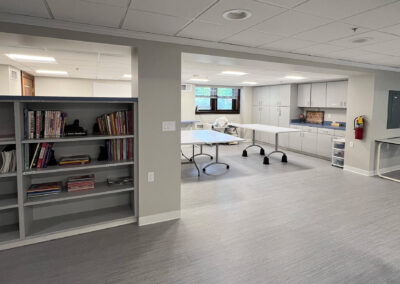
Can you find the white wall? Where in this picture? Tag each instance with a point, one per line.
(72, 87)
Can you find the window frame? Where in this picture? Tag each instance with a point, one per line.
(214, 102)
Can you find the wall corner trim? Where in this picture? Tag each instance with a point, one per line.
(157, 218)
(359, 171)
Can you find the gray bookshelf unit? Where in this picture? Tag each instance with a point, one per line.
(26, 220)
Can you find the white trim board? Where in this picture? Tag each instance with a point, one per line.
(157, 218)
(359, 171)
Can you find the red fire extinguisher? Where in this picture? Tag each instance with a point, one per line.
(359, 123)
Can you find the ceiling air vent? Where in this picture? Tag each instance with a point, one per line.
(13, 74)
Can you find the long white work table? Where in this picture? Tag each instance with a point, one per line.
(201, 137)
(266, 128)
(393, 141)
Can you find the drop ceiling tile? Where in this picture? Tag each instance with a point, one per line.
(207, 31)
(388, 47)
(153, 23)
(260, 12)
(339, 9)
(330, 32)
(290, 23)
(34, 8)
(100, 13)
(377, 18)
(287, 44)
(319, 49)
(178, 8)
(372, 38)
(252, 38)
(283, 3)
(392, 29)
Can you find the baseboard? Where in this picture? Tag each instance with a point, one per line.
(157, 218)
(359, 171)
(388, 170)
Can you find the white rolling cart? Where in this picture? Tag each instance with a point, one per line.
(338, 150)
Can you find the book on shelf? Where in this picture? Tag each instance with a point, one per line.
(80, 183)
(119, 149)
(74, 160)
(37, 155)
(42, 189)
(116, 123)
(44, 124)
(8, 159)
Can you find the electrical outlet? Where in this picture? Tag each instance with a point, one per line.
(351, 144)
(150, 176)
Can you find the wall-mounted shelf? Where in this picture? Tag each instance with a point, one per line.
(26, 220)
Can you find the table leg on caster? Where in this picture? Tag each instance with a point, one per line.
(262, 151)
(216, 160)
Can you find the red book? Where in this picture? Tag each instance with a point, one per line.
(41, 155)
(130, 116)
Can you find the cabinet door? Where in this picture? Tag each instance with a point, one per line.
(336, 94)
(264, 119)
(256, 96)
(274, 95)
(309, 143)
(265, 96)
(304, 95)
(283, 116)
(318, 94)
(295, 138)
(255, 114)
(324, 145)
(274, 116)
(284, 95)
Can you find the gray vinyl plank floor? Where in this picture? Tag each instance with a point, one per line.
(300, 222)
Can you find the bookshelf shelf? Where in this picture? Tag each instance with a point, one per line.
(9, 233)
(78, 220)
(76, 139)
(92, 165)
(26, 220)
(8, 201)
(99, 190)
(7, 141)
(6, 175)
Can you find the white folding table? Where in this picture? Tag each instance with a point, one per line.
(393, 141)
(266, 128)
(201, 137)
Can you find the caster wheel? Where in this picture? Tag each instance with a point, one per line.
(227, 167)
(262, 152)
(266, 161)
(204, 170)
(284, 159)
(244, 154)
(191, 160)
(211, 158)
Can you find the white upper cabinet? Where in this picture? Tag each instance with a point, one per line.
(304, 95)
(274, 95)
(336, 94)
(318, 95)
(284, 95)
(257, 96)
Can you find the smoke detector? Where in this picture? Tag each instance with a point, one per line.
(236, 15)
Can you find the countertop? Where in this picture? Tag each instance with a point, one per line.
(325, 125)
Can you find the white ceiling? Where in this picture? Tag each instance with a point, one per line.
(80, 59)
(264, 73)
(311, 27)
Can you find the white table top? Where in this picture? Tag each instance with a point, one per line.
(266, 128)
(394, 140)
(189, 137)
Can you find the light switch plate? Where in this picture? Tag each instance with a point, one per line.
(168, 126)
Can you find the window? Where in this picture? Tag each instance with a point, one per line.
(217, 100)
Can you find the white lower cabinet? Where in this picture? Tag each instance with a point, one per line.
(309, 143)
(324, 145)
(296, 138)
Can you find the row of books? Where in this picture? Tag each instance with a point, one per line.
(44, 124)
(119, 149)
(38, 155)
(8, 160)
(43, 189)
(116, 123)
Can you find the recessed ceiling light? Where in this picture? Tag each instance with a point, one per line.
(30, 58)
(293, 77)
(52, 72)
(127, 76)
(235, 73)
(195, 79)
(236, 15)
(249, 83)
